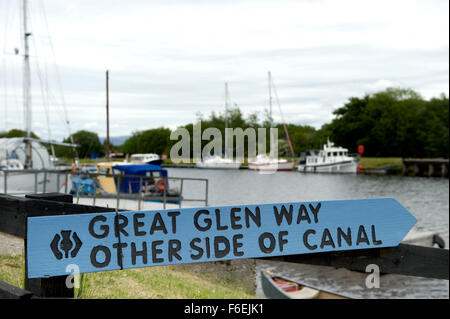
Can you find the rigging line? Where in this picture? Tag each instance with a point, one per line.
(43, 82)
(58, 76)
(5, 91)
(282, 118)
(15, 90)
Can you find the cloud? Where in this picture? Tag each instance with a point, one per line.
(169, 60)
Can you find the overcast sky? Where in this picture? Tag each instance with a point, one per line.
(169, 60)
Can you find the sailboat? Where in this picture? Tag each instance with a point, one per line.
(25, 164)
(217, 161)
(271, 163)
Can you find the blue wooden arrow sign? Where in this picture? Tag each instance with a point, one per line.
(110, 241)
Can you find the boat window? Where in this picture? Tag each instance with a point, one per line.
(328, 154)
(340, 153)
(335, 154)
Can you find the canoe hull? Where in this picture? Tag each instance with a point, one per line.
(273, 291)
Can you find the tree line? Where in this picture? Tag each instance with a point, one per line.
(395, 122)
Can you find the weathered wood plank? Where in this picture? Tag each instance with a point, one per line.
(14, 210)
(8, 291)
(55, 197)
(409, 260)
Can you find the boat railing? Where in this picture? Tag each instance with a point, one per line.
(54, 180)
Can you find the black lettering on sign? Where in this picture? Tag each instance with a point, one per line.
(158, 224)
(305, 239)
(281, 239)
(374, 237)
(283, 214)
(255, 217)
(94, 260)
(120, 222)
(105, 228)
(156, 252)
(137, 224)
(198, 249)
(208, 248)
(174, 248)
(219, 226)
(347, 236)
(206, 220)
(303, 215)
(234, 218)
(119, 247)
(362, 236)
(263, 247)
(142, 253)
(237, 245)
(327, 240)
(315, 211)
(174, 215)
(220, 253)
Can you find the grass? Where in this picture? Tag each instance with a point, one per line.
(164, 282)
(378, 162)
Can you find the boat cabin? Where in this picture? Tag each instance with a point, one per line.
(150, 175)
(149, 158)
(328, 155)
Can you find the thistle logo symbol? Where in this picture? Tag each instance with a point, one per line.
(62, 245)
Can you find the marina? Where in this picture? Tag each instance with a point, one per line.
(298, 215)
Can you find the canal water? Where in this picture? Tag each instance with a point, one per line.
(426, 198)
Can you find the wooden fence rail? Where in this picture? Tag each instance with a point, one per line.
(14, 212)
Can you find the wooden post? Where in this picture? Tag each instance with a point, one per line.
(430, 170)
(53, 286)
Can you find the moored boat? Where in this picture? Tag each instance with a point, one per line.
(218, 162)
(148, 158)
(331, 159)
(112, 179)
(267, 163)
(277, 287)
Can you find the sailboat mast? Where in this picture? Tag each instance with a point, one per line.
(27, 86)
(270, 96)
(107, 116)
(226, 104)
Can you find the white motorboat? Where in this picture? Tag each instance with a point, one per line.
(218, 162)
(332, 159)
(266, 163)
(148, 158)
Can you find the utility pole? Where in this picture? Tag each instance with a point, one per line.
(107, 116)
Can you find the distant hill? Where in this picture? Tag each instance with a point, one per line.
(116, 140)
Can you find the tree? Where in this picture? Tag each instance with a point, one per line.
(149, 141)
(17, 133)
(393, 122)
(88, 142)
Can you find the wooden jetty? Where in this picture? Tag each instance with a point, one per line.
(426, 167)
